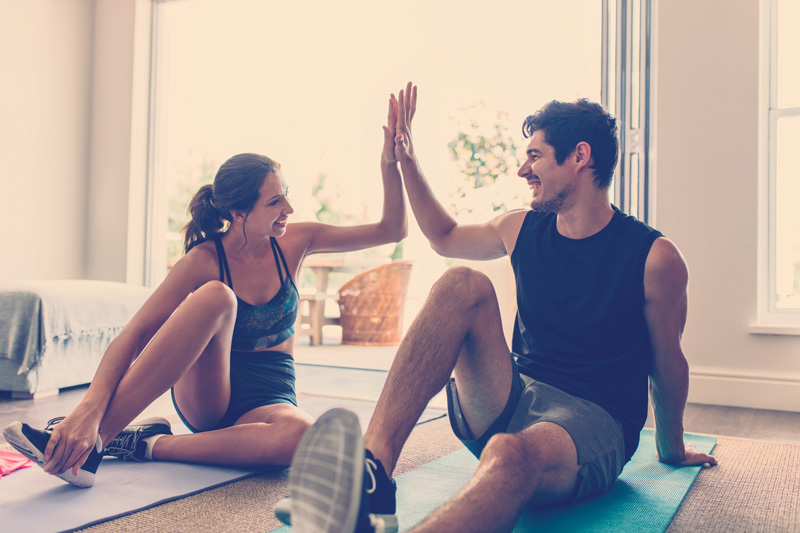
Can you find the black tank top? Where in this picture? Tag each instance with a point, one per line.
(580, 324)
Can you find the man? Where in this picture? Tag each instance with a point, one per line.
(602, 304)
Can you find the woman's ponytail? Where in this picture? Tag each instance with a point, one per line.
(206, 220)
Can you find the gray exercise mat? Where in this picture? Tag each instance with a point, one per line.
(33, 502)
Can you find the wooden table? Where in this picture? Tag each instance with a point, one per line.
(311, 324)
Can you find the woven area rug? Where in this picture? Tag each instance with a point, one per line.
(755, 487)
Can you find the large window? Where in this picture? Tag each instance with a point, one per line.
(307, 84)
(780, 169)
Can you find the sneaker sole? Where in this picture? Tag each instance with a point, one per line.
(325, 481)
(16, 438)
(283, 511)
(390, 522)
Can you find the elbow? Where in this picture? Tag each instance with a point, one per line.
(401, 232)
(442, 243)
(439, 248)
(395, 233)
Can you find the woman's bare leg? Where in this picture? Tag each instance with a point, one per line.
(265, 436)
(193, 344)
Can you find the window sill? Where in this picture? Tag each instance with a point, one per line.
(774, 329)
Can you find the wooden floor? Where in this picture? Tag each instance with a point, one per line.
(775, 426)
(758, 424)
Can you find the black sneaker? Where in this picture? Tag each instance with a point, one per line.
(333, 482)
(32, 442)
(381, 492)
(130, 444)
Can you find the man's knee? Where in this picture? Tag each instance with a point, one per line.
(509, 450)
(508, 456)
(463, 284)
(546, 466)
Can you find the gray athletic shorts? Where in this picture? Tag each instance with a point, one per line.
(596, 434)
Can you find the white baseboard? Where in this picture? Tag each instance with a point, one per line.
(739, 389)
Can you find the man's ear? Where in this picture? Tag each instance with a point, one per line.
(583, 155)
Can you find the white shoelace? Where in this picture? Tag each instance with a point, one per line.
(372, 467)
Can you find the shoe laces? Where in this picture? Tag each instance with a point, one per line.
(53, 422)
(124, 444)
(371, 468)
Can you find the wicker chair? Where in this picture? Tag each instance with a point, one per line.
(371, 305)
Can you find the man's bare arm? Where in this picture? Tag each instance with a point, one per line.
(488, 240)
(666, 279)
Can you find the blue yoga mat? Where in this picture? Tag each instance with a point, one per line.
(644, 498)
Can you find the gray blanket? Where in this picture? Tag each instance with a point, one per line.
(39, 317)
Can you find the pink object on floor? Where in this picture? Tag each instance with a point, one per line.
(10, 461)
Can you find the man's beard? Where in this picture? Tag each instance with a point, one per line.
(554, 204)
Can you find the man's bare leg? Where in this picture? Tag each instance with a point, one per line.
(539, 464)
(459, 327)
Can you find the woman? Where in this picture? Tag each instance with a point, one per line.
(217, 331)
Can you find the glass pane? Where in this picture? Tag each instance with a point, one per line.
(307, 83)
(612, 56)
(635, 46)
(788, 53)
(787, 215)
(633, 195)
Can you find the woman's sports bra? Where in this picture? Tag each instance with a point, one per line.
(260, 327)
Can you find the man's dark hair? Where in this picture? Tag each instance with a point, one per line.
(565, 124)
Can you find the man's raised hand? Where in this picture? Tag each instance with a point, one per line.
(406, 107)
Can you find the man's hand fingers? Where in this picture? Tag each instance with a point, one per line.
(413, 105)
(699, 460)
(401, 111)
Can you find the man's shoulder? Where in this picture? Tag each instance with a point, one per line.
(632, 223)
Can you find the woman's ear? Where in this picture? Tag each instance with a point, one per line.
(238, 216)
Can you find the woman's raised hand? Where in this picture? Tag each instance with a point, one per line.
(388, 155)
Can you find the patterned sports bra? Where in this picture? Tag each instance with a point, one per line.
(260, 327)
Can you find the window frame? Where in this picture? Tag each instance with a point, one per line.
(769, 318)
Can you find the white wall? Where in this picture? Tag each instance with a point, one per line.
(706, 194)
(66, 136)
(110, 156)
(45, 110)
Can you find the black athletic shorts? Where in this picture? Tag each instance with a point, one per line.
(257, 379)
